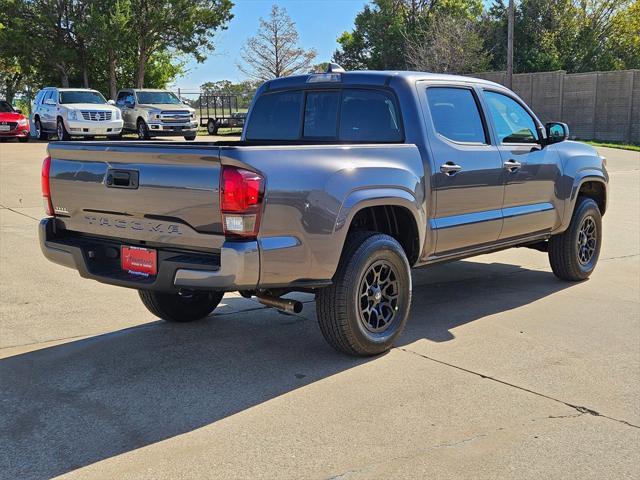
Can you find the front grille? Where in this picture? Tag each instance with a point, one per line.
(178, 116)
(96, 115)
(12, 126)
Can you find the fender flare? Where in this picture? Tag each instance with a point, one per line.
(360, 199)
(587, 175)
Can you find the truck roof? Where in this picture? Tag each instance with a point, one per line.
(144, 90)
(71, 89)
(376, 77)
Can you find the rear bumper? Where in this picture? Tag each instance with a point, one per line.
(236, 267)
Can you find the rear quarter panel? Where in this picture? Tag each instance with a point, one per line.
(313, 191)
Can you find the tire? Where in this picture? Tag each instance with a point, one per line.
(190, 138)
(143, 130)
(40, 133)
(24, 139)
(212, 128)
(61, 130)
(173, 307)
(114, 137)
(573, 254)
(346, 323)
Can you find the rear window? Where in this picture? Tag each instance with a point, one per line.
(455, 114)
(348, 115)
(321, 114)
(276, 116)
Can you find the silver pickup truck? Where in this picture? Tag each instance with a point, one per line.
(340, 184)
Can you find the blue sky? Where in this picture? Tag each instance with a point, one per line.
(319, 23)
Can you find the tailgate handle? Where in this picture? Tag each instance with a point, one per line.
(117, 178)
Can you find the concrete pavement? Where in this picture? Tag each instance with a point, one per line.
(503, 371)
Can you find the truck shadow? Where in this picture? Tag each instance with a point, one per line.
(71, 405)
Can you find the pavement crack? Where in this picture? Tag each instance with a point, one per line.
(460, 442)
(579, 408)
(620, 256)
(19, 213)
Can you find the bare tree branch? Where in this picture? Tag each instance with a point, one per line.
(274, 52)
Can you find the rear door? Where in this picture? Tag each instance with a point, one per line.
(530, 172)
(467, 168)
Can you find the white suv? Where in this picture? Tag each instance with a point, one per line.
(70, 112)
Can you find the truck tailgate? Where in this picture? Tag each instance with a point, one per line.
(142, 192)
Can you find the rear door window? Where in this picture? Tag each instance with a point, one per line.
(369, 116)
(276, 116)
(455, 114)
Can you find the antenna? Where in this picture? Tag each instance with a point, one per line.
(334, 68)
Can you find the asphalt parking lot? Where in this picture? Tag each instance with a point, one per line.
(502, 372)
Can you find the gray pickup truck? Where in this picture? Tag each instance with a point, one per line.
(340, 184)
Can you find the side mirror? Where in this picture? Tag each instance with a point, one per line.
(50, 101)
(129, 104)
(556, 132)
(111, 102)
(17, 110)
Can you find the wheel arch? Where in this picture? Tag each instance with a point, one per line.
(393, 211)
(592, 184)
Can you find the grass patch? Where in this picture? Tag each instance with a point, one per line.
(222, 132)
(620, 145)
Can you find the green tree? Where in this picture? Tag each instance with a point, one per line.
(384, 28)
(571, 35)
(183, 26)
(103, 44)
(243, 90)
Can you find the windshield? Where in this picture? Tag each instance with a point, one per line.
(5, 107)
(80, 96)
(158, 97)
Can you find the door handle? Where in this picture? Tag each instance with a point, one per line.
(450, 168)
(512, 165)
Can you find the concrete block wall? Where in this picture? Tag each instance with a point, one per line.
(595, 105)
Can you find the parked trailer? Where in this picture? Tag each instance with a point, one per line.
(220, 111)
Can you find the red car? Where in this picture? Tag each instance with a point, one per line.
(12, 123)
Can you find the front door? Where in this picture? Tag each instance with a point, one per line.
(530, 171)
(467, 169)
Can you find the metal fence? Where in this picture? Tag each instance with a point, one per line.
(595, 105)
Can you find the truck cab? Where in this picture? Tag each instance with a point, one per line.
(154, 113)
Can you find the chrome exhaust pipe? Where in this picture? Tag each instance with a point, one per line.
(289, 306)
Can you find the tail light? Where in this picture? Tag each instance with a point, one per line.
(46, 186)
(241, 193)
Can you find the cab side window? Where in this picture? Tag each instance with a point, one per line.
(120, 101)
(39, 96)
(512, 122)
(455, 114)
